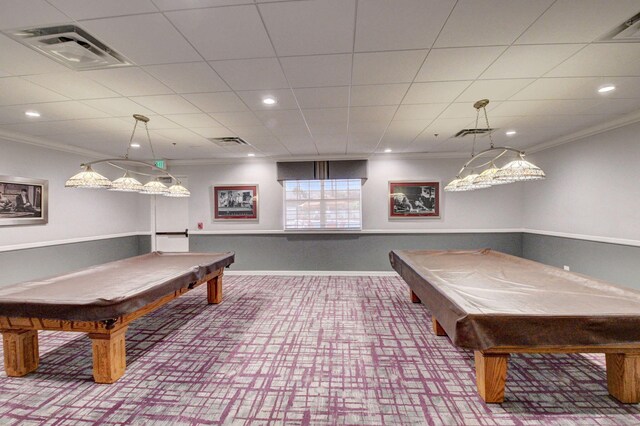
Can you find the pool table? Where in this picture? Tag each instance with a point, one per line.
(496, 304)
(102, 301)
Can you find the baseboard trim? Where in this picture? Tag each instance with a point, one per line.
(25, 246)
(315, 273)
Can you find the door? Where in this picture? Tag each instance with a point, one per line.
(171, 218)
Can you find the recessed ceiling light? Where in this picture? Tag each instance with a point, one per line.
(251, 154)
(606, 88)
(135, 145)
(388, 150)
(32, 113)
(269, 101)
(510, 132)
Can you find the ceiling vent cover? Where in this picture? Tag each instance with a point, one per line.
(227, 142)
(479, 131)
(71, 46)
(628, 31)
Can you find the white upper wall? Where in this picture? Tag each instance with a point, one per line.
(592, 187)
(73, 213)
(495, 208)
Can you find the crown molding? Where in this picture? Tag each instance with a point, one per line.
(625, 120)
(44, 143)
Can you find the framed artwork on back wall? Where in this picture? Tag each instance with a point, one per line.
(235, 202)
(414, 199)
(23, 201)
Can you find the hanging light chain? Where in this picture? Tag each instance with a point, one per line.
(126, 156)
(153, 154)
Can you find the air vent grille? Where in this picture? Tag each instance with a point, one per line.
(227, 142)
(71, 46)
(479, 131)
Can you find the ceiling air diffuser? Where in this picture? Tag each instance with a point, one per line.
(71, 46)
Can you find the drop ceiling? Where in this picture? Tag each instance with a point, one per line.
(351, 77)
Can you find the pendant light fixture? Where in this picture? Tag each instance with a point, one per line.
(88, 178)
(516, 170)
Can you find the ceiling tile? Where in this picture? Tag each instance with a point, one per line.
(166, 104)
(213, 132)
(435, 92)
(159, 43)
(17, 59)
(502, 22)
(235, 119)
(28, 13)
(318, 70)
(290, 130)
(128, 81)
(88, 9)
(494, 90)
(310, 27)
(546, 107)
(156, 122)
(251, 74)
(253, 98)
(559, 88)
(466, 110)
(50, 111)
(539, 59)
(118, 107)
(326, 115)
(250, 131)
(16, 91)
(368, 128)
(447, 127)
(579, 21)
(190, 77)
(196, 4)
(72, 85)
(603, 59)
(329, 129)
(323, 97)
(273, 119)
(216, 102)
(387, 67)
(193, 120)
(378, 94)
(237, 31)
(460, 63)
(419, 111)
(371, 114)
(400, 24)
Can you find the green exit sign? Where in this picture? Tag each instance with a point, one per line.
(161, 164)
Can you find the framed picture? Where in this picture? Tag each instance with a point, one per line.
(23, 201)
(235, 202)
(414, 200)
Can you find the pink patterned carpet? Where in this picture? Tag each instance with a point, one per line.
(301, 350)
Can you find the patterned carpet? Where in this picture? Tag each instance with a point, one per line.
(301, 351)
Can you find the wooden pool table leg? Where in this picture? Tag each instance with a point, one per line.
(214, 290)
(623, 377)
(21, 355)
(437, 328)
(109, 355)
(414, 297)
(491, 375)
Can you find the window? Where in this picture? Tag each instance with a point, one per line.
(322, 204)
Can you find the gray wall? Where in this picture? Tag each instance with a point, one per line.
(616, 263)
(29, 264)
(340, 252)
